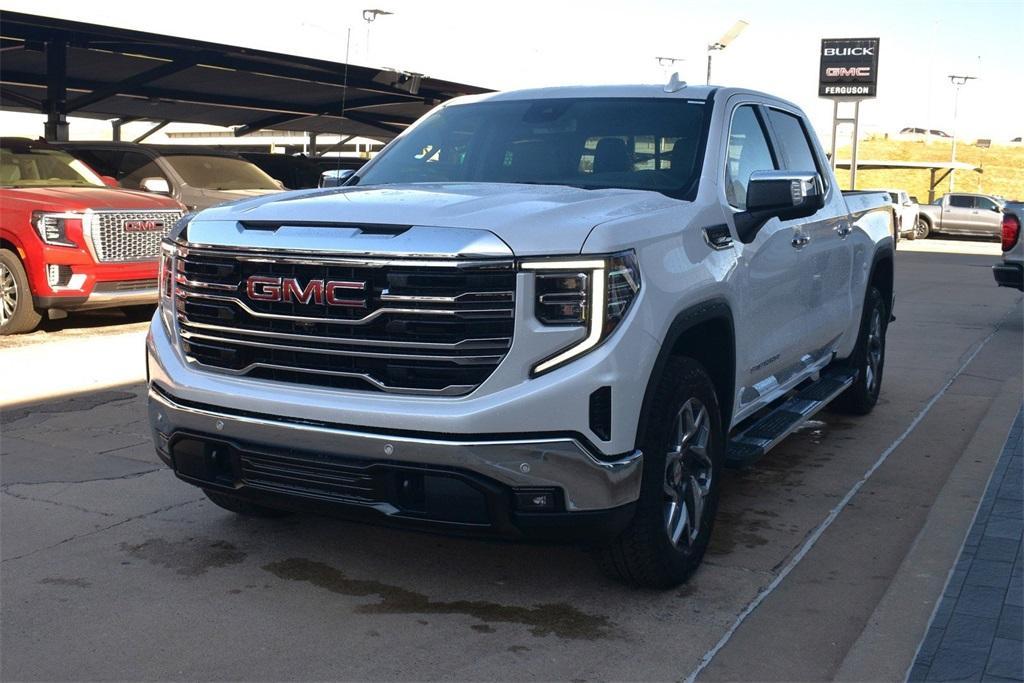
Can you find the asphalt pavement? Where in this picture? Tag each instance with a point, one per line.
(828, 560)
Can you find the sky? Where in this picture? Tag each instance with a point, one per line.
(530, 43)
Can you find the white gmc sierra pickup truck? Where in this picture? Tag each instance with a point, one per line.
(551, 313)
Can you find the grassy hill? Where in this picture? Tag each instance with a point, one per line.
(1003, 167)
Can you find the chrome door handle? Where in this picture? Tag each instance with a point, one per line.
(844, 231)
(800, 241)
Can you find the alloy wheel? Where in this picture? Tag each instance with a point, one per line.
(874, 356)
(8, 295)
(688, 474)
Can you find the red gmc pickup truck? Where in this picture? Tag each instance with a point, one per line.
(70, 242)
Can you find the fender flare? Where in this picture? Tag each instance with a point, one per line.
(883, 252)
(717, 309)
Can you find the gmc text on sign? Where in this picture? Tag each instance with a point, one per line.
(849, 67)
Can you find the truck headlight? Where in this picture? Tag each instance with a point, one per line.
(53, 227)
(168, 251)
(592, 292)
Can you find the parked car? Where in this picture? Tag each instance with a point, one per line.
(198, 177)
(1010, 272)
(961, 213)
(68, 241)
(925, 131)
(294, 171)
(516, 324)
(906, 210)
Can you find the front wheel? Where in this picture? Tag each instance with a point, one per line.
(17, 311)
(683, 454)
(922, 229)
(868, 358)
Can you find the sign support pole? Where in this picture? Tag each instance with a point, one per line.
(836, 121)
(856, 137)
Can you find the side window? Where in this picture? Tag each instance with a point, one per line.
(134, 167)
(796, 147)
(985, 204)
(103, 161)
(961, 201)
(748, 152)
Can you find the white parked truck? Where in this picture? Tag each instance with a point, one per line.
(552, 313)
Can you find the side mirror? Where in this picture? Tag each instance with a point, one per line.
(785, 195)
(110, 181)
(156, 185)
(335, 178)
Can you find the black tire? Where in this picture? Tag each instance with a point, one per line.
(645, 553)
(17, 309)
(923, 229)
(243, 507)
(868, 358)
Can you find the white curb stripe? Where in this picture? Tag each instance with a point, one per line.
(813, 538)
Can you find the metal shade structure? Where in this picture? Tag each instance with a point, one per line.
(933, 167)
(58, 68)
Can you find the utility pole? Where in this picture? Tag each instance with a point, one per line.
(724, 41)
(958, 81)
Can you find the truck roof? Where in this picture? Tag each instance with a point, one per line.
(165, 150)
(688, 92)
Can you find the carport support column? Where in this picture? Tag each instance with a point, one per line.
(56, 127)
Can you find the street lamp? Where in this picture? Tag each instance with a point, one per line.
(370, 16)
(668, 62)
(724, 41)
(957, 81)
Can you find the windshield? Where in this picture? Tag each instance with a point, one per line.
(643, 144)
(220, 173)
(28, 166)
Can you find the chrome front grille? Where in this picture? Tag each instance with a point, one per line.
(129, 235)
(403, 326)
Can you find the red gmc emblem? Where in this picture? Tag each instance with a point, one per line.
(143, 226)
(288, 289)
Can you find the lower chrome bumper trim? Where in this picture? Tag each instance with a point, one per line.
(587, 482)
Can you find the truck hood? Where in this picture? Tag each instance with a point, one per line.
(82, 198)
(530, 219)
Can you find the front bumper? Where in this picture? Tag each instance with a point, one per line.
(1009, 275)
(479, 485)
(104, 295)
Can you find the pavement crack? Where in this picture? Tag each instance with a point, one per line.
(70, 506)
(130, 475)
(101, 530)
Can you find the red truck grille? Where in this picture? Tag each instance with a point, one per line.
(129, 235)
(392, 326)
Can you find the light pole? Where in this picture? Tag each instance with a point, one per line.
(668, 62)
(958, 81)
(370, 16)
(724, 41)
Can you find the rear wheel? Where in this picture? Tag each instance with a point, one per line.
(922, 229)
(683, 454)
(243, 507)
(17, 313)
(868, 358)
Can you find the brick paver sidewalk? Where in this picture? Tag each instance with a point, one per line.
(977, 632)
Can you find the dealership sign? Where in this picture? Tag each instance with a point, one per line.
(849, 68)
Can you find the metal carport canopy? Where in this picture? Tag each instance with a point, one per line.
(932, 167)
(59, 67)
